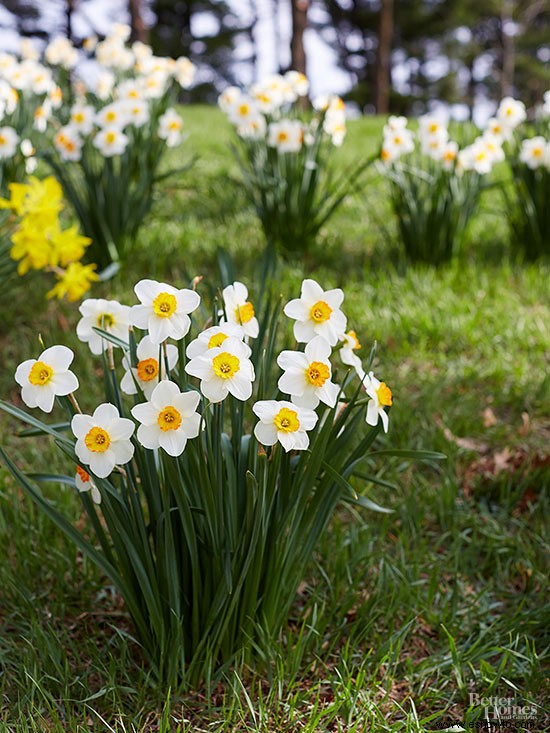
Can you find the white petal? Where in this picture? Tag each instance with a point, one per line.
(292, 360)
(287, 440)
(372, 413)
(121, 429)
(147, 290)
(191, 425)
(102, 464)
(23, 370)
(309, 398)
(311, 291)
(58, 357)
(165, 393)
(304, 331)
(105, 413)
(188, 300)
(187, 403)
(297, 310)
(293, 383)
(334, 298)
(308, 418)
(240, 387)
(318, 349)
(266, 433)
(385, 419)
(146, 413)
(45, 397)
(159, 329)
(139, 316)
(328, 393)
(81, 425)
(201, 367)
(266, 409)
(173, 442)
(301, 440)
(123, 451)
(127, 384)
(214, 390)
(149, 436)
(64, 383)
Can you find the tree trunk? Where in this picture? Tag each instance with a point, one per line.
(508, 50)
(299, 24)
(139, 31)
(69, 19)
(383, 58)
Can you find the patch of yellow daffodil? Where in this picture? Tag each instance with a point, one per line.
(39, 242)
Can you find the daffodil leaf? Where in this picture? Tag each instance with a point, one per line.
(113, 339)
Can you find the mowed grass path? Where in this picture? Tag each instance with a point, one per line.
(401, 615)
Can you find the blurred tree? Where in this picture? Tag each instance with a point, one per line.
(26, 17)
(299, 24)
(139, 30)
(208, 32)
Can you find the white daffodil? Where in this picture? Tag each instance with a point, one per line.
(103, 439)
(43, 378)
(284, 422)
(148, 371)
(450, 154)
(224, 370)
(164, 310)
(137, 111)
(184, 72)
(109, 315)
(112, 116)
(170, 127)
(8, 142)
(535, 153)
(84, 482)
(111, 141)
(351, 344)
(298, 82)
(317, 313)
(169, 419)
(498, 129)
(381, 397)
(212, 337)
(82, 118)
(307, 377)
(395, 123)
(287, 136)
(253, 129)
(400, 141)
(229, 98)
(239, 309)
(511, 112)
(242, 110)
(68, 144)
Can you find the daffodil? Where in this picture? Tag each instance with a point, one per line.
(307, 376)
(69, 244)
(351, 344)
(169, 419)
(287, 136)
(108, 315)
(84, 482)
(224, 370)
(74, 282)
(45, 378)
(535, 153)
(239, 309)
(212, 337)
(103, 439)
(8, 142)
(164, 310)
(32, 247)
(284, 422)
(111, 141)
(148, 370)
(380, 397)
(317, 313)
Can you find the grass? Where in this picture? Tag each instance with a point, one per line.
(401, 616)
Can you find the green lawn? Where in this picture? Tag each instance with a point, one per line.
(401, 616)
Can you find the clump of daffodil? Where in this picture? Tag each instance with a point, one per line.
(213, 462)
(39, 241)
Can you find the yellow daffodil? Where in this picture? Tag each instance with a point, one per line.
(74, 282)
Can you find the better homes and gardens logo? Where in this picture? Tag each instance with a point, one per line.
(502, 708)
